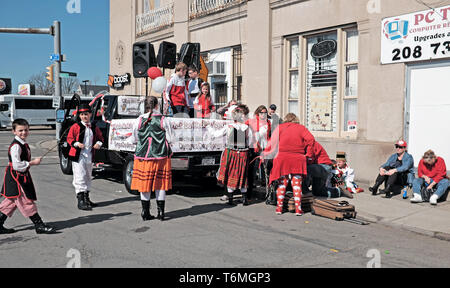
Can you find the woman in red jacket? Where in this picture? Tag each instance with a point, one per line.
(292, 144)
(432, 173)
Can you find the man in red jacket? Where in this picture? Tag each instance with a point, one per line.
(432, 173)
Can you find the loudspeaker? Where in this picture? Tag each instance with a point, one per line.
(143, 58)
(190, 54)
(167, 55)
(5, 86)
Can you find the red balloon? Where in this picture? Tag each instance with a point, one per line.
(154, 72)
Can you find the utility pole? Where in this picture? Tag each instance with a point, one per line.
(55, 31)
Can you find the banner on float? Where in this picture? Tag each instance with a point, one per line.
(186, 135)
(417, 36)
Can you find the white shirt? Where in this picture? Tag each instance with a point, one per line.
(17, 164)
(88, 140)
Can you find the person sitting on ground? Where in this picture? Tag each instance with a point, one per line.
(432, 173)
(320, 174)
(347, 174)
(399, 168)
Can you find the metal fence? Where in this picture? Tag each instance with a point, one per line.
(199, 8)
(154, 20)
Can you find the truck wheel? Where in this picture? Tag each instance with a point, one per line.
(65, 164)
(127, 174)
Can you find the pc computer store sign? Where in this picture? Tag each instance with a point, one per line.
(417, 36)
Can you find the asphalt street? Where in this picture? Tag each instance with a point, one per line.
(200, 230)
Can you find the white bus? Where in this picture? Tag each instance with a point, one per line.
(37, 110)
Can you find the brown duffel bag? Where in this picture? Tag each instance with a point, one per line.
(333, 209)
(289, 202)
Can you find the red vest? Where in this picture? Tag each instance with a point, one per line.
(76, 134)
(203, 107)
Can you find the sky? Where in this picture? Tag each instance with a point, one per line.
(84, 39)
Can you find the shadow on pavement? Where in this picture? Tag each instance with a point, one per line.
(196, 210)
(89, 219)
(117, 201)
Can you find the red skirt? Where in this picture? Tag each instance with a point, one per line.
(233, 169)
(288, 163)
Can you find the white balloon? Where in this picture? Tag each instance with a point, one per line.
(159, 84)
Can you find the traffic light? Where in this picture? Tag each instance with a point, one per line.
(50, 73)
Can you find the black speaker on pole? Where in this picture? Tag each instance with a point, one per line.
(167, 55)
(190, 54)
(143, 58)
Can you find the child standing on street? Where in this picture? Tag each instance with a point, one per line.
(152, 170)
(18, 188)
(194, 88)
(233, 171)
(84, 138)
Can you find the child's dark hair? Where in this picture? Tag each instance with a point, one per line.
(209, 89)
(193, 68)
(150, 104)
(19, 122)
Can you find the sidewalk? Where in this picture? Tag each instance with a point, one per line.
(422, 218)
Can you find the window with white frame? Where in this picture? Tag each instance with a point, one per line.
(351, 81)
(294, 61)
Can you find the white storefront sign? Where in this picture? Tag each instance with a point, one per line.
(417, 36)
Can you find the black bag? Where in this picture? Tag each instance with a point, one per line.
(426, 193)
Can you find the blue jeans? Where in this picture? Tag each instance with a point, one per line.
(442, 186)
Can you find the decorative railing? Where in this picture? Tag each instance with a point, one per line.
(154, 20)
(198, 8)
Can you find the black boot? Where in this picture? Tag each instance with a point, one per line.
(82, 205)
(40, 226)
(88, 201)
(230, 199)
(161, 205)
(387, 191)
(244, 199)
(4, 230)
(145, 214)
(374, 188)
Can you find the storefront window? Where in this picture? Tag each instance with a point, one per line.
(321, 96)
(294, 63)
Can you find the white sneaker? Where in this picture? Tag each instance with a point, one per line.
(224, 198)
(433, 199)
(416, 199)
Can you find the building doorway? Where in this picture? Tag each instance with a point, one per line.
(427, 110)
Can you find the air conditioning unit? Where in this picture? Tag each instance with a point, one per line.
(216, 68)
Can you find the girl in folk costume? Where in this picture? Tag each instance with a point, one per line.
(152, 171)
(84, 138)
(18, 188)
(204, 104)
(288, 145)
(233, 172)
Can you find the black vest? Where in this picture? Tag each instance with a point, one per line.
(14, 180)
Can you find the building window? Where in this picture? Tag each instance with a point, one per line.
(322, 80)
(321, 89)
(294, 60)
(351, 81)
(237, 73)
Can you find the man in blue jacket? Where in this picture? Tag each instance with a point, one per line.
(398, 168)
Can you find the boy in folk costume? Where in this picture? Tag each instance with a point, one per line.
(152, 170)
(346, 173)
(233, 172)
(18, 188)
(194, 89)
(84, 138)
